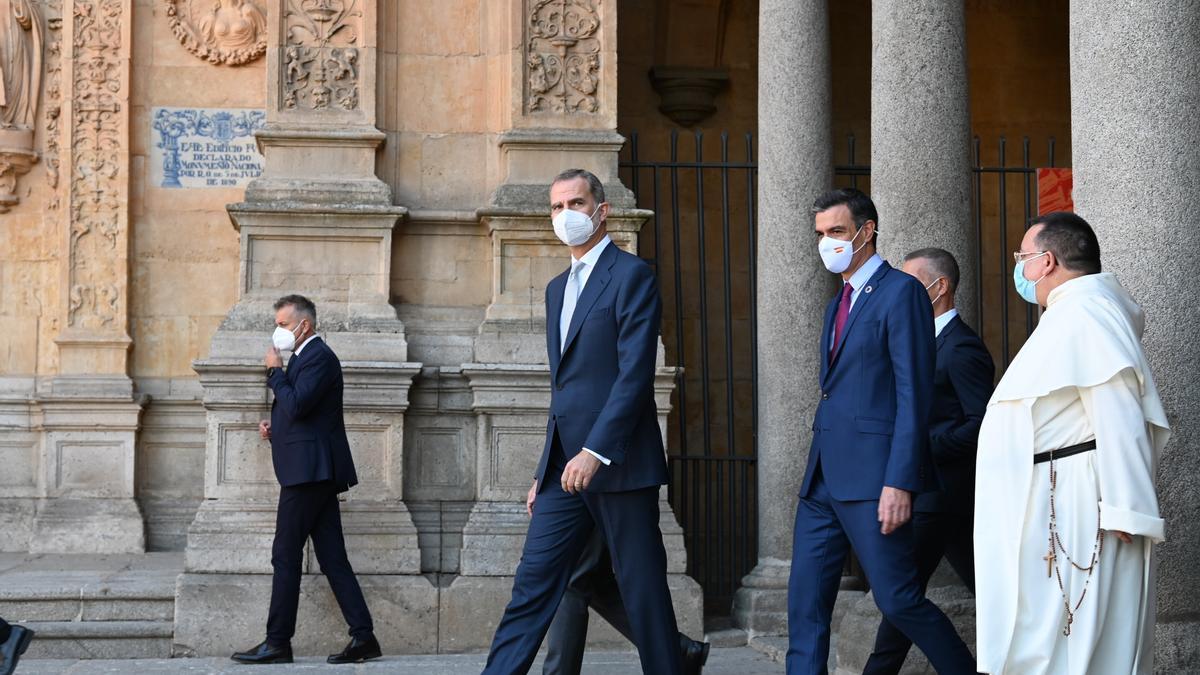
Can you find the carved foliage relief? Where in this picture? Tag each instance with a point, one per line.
(97, 258)
(562, 56)
(230, 32)
(52, 103)
(321, 54)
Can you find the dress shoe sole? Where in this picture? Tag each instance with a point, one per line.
(264, 662)
(361, 659)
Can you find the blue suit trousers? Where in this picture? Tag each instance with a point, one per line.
(560, 528)
(825, 530)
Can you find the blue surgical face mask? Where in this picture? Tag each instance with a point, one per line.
(1025, 288)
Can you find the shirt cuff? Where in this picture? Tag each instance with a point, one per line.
(603, 460)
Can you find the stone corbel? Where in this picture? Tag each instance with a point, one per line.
(17, 156)
(687, 95)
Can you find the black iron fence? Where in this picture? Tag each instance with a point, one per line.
(701, 243)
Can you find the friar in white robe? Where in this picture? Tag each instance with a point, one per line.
(1077, 597)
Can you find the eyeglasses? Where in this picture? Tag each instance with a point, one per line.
(1018, 256)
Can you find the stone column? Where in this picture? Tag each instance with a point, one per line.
(317, 222)
(921, 133)
(1135, 134)
(89, 413)
(795, 165)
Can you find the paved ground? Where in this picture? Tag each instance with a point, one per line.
(727, 661)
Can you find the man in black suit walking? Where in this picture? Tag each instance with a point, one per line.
(963, 380)
(313, 465)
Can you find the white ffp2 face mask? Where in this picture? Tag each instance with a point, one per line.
(837, 253)
(574, 228)
(284, 339)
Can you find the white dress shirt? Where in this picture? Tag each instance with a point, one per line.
(589, 260)
(940, 321)
(296, 351)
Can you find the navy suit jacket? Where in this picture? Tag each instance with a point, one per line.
(962, 385)
(871, 427)
(308, 434)
(602, 384)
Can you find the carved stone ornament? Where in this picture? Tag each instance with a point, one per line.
(562, 56)
(94, 300)
(52, 106)
(229, 32)
(21, 37)
(320, 59)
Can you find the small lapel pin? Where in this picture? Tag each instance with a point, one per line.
(868, 289)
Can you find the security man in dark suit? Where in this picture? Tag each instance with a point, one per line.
(602, 462)
(963, 379)
(313, 465)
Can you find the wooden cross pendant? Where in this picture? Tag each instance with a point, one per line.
(1049, 558)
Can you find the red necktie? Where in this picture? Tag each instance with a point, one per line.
(839, 322)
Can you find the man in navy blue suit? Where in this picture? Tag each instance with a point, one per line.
(869, 451)
(962, 383)
(602, 463)
(313, 465)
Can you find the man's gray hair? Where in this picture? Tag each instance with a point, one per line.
(939, 262)
(594, 184)
(304, 308)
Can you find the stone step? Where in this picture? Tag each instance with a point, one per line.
(726, 637)
(72, 597)
(92, 607)
(100, 639)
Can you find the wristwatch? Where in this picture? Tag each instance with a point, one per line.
(271, 371)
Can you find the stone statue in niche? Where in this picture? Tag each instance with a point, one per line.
(229, 32)
(21, 37)
(20, 62)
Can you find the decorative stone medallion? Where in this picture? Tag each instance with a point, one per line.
(228, 32)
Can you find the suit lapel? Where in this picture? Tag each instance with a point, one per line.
(596, 283)
(859, 307)
(826, 333)
(950, 328)
(554, 307)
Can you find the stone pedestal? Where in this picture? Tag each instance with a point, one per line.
(88, 464)
(921, 126)
(795, 166)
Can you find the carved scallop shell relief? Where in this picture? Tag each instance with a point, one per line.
(229, 32)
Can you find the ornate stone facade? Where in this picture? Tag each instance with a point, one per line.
(322, 40)
(562, 56)
(223, 32)
(95, 262)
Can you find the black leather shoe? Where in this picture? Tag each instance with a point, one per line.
(13, 648)
(265, 653)
(358, 651)
(692, 655)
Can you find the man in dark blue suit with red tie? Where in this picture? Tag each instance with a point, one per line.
(602, 463)
(943, 521)
(869, 452)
